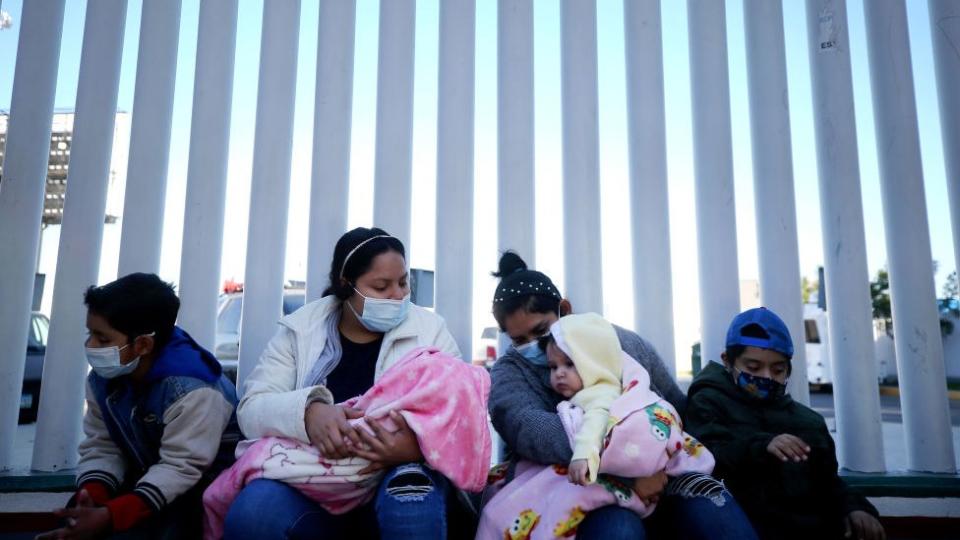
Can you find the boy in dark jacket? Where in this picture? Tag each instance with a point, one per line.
(160, 421)
(774, 454)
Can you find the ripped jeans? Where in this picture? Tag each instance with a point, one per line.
(694, 506)
(410, 503)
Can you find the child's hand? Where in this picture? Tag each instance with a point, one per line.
(83, 521)
(861, 525)
(578, 471)
(786, 447)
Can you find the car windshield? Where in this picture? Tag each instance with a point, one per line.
(228, 322)
(292, 302)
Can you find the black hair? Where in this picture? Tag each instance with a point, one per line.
(136, 304)
(544, 341)
(360, 261)
(511, 269)
(754, 331)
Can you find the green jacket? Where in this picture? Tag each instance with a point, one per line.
(783, 500)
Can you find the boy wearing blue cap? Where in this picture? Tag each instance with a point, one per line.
(774, 454)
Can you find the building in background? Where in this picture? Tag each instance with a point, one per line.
(61, 140)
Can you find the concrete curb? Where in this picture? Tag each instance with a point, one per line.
(895, 391)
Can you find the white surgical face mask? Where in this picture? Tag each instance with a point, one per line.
(381, 314)
(105, 361)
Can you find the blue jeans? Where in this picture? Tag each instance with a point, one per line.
(694, 506)
(410, 503)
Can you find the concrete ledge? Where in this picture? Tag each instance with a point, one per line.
(902, 507)
(30, 481)
(904, 485)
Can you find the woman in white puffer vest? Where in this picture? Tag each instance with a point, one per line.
(341, 344)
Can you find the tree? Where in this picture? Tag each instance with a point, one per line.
(880, 296)
(807, 287)
(951, 289)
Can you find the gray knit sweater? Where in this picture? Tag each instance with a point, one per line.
(523, 406)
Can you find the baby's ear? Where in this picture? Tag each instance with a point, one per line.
(566, 308)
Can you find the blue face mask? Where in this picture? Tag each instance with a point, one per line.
(532, 353)
(759, 387)
(381, 314)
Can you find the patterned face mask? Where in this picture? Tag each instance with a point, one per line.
(759, 387)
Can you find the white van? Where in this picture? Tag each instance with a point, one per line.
(817, 338)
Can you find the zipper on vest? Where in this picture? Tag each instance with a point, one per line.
(126, 438)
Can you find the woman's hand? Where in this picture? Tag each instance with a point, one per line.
(384, 448)
(649, 488)
(83, 521)
(329, 430)
(578, 471)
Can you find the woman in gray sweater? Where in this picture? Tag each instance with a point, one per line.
(523, 408)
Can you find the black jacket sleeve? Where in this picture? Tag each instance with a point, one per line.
(735, 450)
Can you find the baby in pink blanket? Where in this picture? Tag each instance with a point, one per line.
(617, 426)
(442, 399)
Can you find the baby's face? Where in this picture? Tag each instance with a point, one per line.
(563, 374)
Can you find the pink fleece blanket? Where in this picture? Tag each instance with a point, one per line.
(645, 436)
(443, 400)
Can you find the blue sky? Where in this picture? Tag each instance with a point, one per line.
(616, 265)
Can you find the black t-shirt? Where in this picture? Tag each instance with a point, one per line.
(354, 374)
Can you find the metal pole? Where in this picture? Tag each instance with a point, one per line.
(857, 400)
(270, 189)
(916, 325)
(331, 138)
(142, 233)
(515, 114)
(775, 207)
(581, 155)
(207, 170)
(945, 34)
(394, 140)
(78, 259)
(650, 205)
(713, 166)
(455, 106)
(21, 197)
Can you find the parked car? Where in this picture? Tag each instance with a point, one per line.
(33, 368)
(486, 353)
(228, 325)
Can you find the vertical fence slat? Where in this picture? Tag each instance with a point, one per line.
(515, 170)
(207, 170)
(713, 168)
(774, 204)
(649, 200)
(270, 185)
(455, 134)
(945, 34)
(146, 191)
(21, 197)
(857, 402)
(331, 138)
(78, 259)
(916, 325)
(393, 160)
(581, 155)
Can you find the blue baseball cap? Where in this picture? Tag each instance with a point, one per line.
(773, 325)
